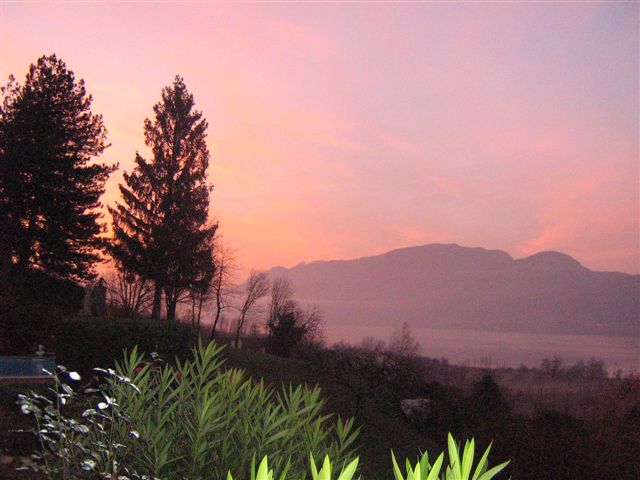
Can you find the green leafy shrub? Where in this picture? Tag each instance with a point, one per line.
(192, 421)
(77, 442)
(196, 419)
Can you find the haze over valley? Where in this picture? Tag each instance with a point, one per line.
(469, 304)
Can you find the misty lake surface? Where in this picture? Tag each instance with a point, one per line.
(504, 349)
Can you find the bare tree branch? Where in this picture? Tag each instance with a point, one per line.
(281, 301)
(131, 294)
(223, 287)
(257, 287)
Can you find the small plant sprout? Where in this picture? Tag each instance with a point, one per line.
(324, 473)
(422, 471)
(263, 473)
(459, 468)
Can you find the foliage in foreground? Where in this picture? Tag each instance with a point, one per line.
(194, 421)
(460, 467)
(198, 421)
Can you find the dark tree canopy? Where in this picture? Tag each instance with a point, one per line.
(49, 186)
(293, 327)
(160, 228)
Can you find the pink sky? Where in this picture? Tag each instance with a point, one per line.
(341, 131)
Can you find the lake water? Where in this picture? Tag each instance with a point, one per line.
(510, 349)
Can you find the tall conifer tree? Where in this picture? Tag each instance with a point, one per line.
(160, 228)
(50, 187)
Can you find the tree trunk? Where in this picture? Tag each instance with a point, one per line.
(193, 309)
(240, 324)
(171, 302)
(217, 317)
(157, 302)
(359, 402)
(200, 302)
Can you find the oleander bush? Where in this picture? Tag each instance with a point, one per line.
(193, 420)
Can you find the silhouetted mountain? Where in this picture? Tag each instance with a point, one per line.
(452, 286)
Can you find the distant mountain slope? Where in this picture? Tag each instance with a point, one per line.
(452, 286)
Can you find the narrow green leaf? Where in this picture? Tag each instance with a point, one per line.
(349, 470)
(263, 469)
(396, 470)
(489, 474)
(325, 473)
(416, 472)
(253, 468)
(314, 469)
(435, 469)
(467, 459)
(454, 459)
(424, 464)
(482, 464)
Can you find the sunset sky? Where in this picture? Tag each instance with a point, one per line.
(346, 130)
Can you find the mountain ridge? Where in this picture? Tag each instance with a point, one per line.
(448, 285)
(412, 247)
